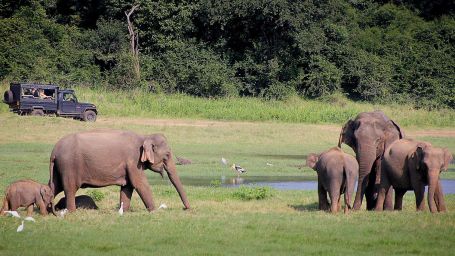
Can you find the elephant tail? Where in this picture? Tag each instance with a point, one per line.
(52, 175)
(347, 191)
(5, 206)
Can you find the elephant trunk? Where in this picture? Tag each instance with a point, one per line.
(439, 198)
(433, 178)
(174, 178)
(366, 155)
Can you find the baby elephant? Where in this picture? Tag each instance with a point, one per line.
(82, 202)
(337, 174)
(411, 165)
(25, 193)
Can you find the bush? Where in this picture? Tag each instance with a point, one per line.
(193, 70)
(247, 193)
(96, 195)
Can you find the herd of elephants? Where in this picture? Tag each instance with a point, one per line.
(385, 161)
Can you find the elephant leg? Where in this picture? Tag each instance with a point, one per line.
(334, 199)
(125, 196)
(388, 203)
(70, 195)
(338, 203)
(382, 195)
(140, 183)
(29, 210)
(370, 191)
(399, 193)
(42, 208)
(346, 202)
(439, 198)
(322, 196)
(419, 192)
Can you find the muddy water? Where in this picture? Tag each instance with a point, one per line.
(277, 182)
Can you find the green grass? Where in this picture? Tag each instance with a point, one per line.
(336, 109)
(221, 222)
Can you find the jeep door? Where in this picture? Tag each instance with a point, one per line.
(68, 105)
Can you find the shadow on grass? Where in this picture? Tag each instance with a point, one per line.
(313, 207)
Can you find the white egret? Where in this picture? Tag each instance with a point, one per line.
(13, 214)
(120, 211)
(21, 227)
(224, 161)
(63, 212)
(162, 206)
(30, 218)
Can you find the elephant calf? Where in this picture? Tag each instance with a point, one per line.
(411, 165)
(337, 174)
(25, 193)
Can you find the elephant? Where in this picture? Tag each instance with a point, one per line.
(101, 158)
(368, 135)
(26, 193)
(411, 165)
(82, 202)
(337, 174)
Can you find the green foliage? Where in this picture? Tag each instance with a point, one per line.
(215, 183)
(379, 51)
(97, 195)
(247, 193)
(191, 69)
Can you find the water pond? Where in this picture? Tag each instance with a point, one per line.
(277, 182)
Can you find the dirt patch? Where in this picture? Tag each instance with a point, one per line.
(432, 133)
(211, 123)
(164, 122)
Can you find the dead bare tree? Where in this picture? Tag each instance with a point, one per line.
(134, 42)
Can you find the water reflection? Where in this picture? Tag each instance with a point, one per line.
(277, 182)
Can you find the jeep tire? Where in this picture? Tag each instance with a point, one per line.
(37, 112)
(89, 116)
(8, 97)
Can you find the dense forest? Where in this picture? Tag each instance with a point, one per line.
(382, 51)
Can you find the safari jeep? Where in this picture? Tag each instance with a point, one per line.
(41, 99)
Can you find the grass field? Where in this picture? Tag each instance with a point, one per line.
(285, 223)
(335, 109)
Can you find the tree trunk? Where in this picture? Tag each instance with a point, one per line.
(134, 43)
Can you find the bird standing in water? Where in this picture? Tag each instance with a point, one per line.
(238, 169)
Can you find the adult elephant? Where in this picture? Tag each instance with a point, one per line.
(368, 135)
(103, 158)
(411, 165)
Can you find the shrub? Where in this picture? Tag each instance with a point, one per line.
(215, 183)
(249, 193)
(96, 195)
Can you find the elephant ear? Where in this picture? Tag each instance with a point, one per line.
(45, 192)
(311, 161)
(447, 159)
(147, 151)
(347, 134)
(417, 157)
(398, 128)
